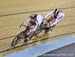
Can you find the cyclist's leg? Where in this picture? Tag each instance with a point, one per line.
(31, 32)
(36, 28)
(47, 26)
(50, 28)
(27, 31)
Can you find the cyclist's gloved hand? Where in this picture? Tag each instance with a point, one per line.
(52, 25)
(21, 25)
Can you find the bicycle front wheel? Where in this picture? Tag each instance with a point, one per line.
(15, 41)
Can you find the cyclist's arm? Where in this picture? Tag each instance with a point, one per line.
(24, 23)
(57, 20)
(49, 14)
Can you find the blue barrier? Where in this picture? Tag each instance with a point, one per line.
(44, 48)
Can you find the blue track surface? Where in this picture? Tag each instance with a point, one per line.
(44, 48)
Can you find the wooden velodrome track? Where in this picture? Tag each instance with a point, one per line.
(13, 12)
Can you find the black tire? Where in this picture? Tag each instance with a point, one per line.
(15, 41)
